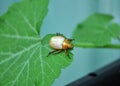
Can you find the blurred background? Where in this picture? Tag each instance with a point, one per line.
(63, 16)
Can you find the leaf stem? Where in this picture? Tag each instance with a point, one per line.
(84, 45)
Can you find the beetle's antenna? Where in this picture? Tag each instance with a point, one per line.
(70, 40)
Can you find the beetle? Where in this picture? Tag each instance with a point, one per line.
(59, 43)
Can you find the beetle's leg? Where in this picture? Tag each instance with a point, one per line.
(70, 39)
(66, 52)
(51, 52)
(58, 34)
(54, 52)
(58, 51)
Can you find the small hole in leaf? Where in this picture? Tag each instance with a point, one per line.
(92, 74)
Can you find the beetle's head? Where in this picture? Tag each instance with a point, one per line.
(70, 45)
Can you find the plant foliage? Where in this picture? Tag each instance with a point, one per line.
(23, 53)
(97, 29)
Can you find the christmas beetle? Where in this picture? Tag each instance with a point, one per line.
(60, 43)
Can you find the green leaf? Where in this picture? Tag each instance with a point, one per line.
(23, 53)
(29, 13)
(97, 29)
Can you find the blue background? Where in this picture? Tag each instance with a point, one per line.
(63, 16)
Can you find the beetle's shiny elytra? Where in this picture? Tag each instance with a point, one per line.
(59, 43)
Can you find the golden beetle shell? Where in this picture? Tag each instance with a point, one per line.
(59, 42)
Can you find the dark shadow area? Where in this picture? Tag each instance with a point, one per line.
(106, 76)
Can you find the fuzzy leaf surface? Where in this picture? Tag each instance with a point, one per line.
(97, 29)
(23, 53)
